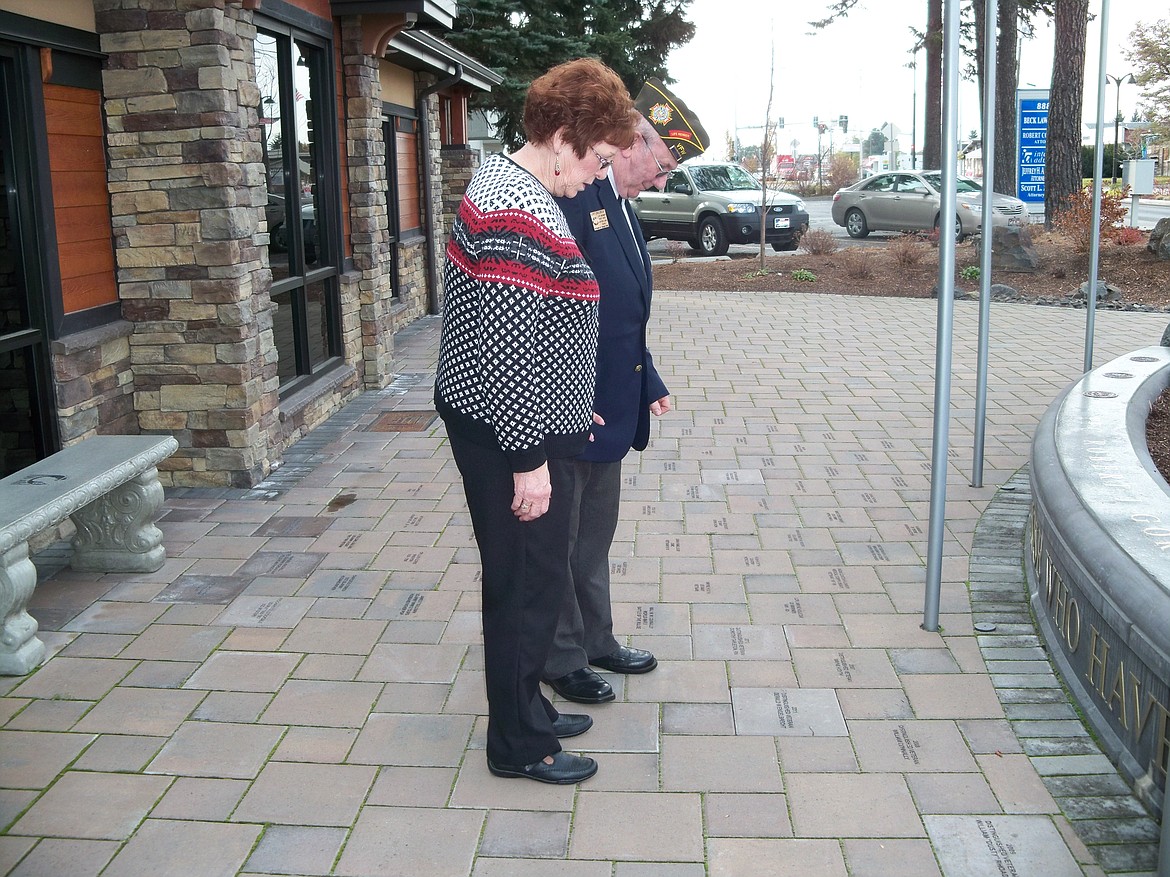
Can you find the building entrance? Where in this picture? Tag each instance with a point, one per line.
(26, 421)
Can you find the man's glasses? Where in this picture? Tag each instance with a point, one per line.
(604, 162)
(662, 172)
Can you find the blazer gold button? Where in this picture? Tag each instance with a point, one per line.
(638, 367)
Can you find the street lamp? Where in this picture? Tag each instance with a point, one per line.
(1118, 81)
(913, 65)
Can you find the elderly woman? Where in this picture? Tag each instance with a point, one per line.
(514, 387)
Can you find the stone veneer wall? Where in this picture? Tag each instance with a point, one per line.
(459, 166)
(369, 236)
(187, 192)
(94, 383)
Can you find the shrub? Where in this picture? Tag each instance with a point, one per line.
(818, 242)
(856, 263)
(971, 272)
(806, 187)
(803, 275)
(842, 170)
(907, 250)
(1075, 221)
(1127, 236)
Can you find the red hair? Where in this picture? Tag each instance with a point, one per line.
(586, 100)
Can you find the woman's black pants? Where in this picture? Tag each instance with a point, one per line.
(525, 578)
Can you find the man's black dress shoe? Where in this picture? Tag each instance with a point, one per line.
(627, 660)
(571, 724)
(564, 770)
(582, 686)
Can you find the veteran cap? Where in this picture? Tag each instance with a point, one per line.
(672, 119)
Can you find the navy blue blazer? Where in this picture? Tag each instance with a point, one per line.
(627, 381)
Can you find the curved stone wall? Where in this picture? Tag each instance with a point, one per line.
(1099, 560)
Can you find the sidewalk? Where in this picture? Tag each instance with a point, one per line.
(299, 691)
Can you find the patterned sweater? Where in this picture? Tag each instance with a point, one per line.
(519, 344)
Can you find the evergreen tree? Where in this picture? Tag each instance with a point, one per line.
(521, 39)
(1062, 168)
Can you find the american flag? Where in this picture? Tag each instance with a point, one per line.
(299, 96)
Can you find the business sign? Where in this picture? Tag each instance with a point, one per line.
(1032, 134)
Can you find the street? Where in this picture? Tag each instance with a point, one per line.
(819, 216)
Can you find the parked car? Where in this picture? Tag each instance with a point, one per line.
(909, 201)
(712, 205)
(278, 231)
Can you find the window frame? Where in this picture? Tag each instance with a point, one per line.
(390, 122)
(326, 199)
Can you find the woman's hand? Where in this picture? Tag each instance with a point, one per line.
(532, 493)
(597, 418)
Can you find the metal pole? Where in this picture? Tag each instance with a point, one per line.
(946, 316)
(914, 118)
(1098, 160)
(989, 60)
(1113, 180)
(1164, 834)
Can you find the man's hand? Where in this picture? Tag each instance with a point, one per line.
(660, 407)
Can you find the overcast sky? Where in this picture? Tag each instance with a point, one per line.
(855, 67)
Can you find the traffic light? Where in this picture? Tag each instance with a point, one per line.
(844, 121)
(816, 121)
(780, 122)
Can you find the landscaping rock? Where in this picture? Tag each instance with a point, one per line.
(1162, 251)
(1107, 293)
(1160, 239)
(1165, 342)
(1003, 292)
(1012, 249)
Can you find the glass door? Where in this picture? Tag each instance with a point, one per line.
(27, 414)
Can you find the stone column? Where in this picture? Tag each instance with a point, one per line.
(366, 152)
(460, 163)
(187, 194)
(433, 177)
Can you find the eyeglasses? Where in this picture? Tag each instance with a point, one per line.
(662, 172)
(603, 161)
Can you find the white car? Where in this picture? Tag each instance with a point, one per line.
(909, 201)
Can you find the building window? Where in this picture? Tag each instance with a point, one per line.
(403, 195)
(390, 138)
(294, 77)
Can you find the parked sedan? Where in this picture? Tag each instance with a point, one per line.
(909, 201)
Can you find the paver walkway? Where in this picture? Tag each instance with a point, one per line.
(299, 691)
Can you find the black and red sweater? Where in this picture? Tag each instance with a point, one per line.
(519, 345)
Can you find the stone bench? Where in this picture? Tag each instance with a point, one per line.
(109, 486)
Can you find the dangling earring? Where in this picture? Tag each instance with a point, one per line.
(557, 167)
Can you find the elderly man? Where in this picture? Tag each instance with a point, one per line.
(628, 388)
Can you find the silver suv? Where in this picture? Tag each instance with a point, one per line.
(712, 205)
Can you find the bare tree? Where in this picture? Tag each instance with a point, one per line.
(766, 155)
(1062, 168)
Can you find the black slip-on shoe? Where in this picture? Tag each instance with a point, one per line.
(571, 724)
(627, 660)
(565, 769)
(582, 686)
